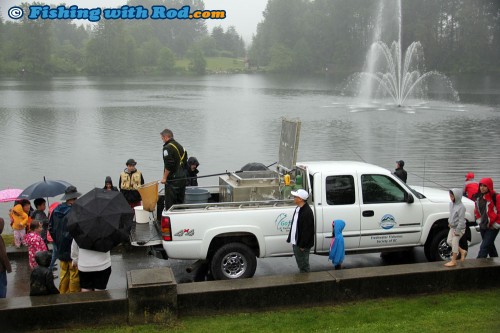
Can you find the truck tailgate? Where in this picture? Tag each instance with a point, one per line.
(145, 234)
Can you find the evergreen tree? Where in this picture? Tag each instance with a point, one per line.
(111, 50)
(197, 62)
(35, 44)
(166, 60)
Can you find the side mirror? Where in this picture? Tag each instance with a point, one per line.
(410, 198)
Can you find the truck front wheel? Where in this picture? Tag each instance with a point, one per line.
(438, 249)
(233, 261)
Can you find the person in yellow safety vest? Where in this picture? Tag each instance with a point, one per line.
(130, 180)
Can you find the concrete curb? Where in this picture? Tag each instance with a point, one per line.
(333, 287)
(13, 252)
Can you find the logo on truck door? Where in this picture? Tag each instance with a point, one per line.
(387, 222)
(282, 222)
(187, 232)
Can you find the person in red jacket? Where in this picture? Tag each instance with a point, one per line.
(470, 187)
(487, 213)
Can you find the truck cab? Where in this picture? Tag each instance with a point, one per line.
(380, 211)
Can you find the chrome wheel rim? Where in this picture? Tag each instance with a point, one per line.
(233, 265)
(444, 250)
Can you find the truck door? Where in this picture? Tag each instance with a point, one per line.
(340, 202)
(387, 218)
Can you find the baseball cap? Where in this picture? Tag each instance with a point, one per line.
(301, 194)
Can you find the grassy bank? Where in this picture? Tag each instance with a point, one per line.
(471, 312)
(217, 65)
(8, 239)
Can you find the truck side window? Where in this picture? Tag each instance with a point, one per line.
(340, 190)
(381, 189)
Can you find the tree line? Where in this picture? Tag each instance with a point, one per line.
(110, 47)
(295, 36)
(312, 35)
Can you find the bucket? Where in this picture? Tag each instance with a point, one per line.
(149, 195)
(142, 216)
(196, 195)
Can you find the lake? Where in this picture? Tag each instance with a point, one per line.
(82, 129)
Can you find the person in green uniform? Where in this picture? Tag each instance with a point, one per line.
(174, 171)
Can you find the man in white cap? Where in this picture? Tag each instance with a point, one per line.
(302, 230)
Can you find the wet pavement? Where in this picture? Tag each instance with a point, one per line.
(123, 259)
(126, 258)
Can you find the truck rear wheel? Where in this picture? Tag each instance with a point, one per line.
(233, 261)
(438, 249)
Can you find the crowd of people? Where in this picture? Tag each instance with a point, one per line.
(87, 270)
(82, 269)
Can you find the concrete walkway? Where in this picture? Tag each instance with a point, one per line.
(127, 258)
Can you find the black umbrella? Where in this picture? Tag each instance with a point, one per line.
(100, 220)
(44, 189)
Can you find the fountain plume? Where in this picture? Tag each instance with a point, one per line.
(390, 72)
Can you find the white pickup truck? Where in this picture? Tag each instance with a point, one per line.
(381, 213)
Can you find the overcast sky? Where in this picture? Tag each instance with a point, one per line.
(243, 14)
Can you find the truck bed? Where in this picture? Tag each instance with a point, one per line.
(148, 234)
(145, 234)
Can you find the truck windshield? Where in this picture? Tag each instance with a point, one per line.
(415, 193)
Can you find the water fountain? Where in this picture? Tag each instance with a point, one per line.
(390, 74)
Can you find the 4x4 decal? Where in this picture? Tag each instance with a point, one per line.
(187, 232)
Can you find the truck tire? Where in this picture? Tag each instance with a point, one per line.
(438, 249)
(233, 261)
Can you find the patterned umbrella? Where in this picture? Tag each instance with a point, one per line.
(9, 194)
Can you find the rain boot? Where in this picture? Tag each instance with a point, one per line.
(463, 254)
(453, 261)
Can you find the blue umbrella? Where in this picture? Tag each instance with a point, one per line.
(44, 189)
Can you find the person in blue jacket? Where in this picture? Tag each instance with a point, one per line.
(337, 250)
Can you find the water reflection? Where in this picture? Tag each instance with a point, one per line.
(83, 129)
